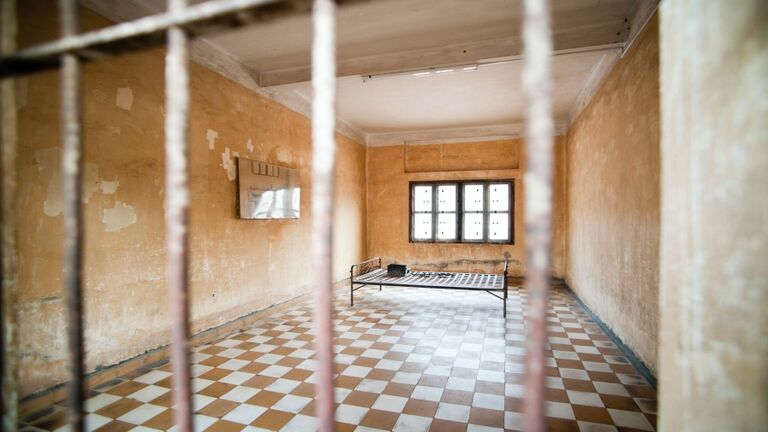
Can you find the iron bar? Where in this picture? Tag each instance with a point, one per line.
(537, 85)
(71, 171)
(177, 212)
(9, 230)
(150, 31)
(323, 182)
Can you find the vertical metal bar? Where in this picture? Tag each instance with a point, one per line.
(537, 85)
(176, 213)
(9, 225)
(71, 170)
(323, 159)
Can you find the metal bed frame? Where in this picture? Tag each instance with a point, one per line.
(370, 273)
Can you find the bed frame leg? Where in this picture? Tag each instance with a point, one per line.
(351, 288)
(506, 289)
(505, 308)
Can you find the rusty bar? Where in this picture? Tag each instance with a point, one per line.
(323, 159)
(177, 211)
(9, 232)
(150, 31)
(537, 85)
(71, 170)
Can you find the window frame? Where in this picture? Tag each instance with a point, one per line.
(459, 239)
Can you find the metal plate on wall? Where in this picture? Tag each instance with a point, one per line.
(267, 191)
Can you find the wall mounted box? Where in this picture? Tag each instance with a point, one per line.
(267, 191)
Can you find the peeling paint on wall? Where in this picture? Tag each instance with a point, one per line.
(249, 145)
(48, 162)
(126, 269)
(108, 187)
(124, 98)
(91, 181)
(211, 135)
(118, 217)
(229, 164)
(283, 155)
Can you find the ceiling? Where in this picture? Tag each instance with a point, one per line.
(399, 37)
(489, 95)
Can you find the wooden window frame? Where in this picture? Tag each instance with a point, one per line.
(459, 239)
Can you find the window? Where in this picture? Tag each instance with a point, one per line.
(462, 212)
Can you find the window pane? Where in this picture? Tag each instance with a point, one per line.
(473, 197)
(498, 195)
(446, 226)
(446, 198)
(422, 198)
(473, 226)
(499, 226)
(422, 226)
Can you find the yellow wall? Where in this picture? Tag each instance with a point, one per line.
(388, 202)
(613, 199)
(237, 266)
(714, 176)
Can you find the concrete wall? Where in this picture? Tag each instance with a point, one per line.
(237, 266)
(391, 168)
(714, 273)
(613, 199)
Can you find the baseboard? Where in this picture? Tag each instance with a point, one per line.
(43, 398)
(641, 367)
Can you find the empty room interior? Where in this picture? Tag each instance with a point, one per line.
(420, 219)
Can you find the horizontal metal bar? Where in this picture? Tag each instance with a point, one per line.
(142, 32)
(151, 31)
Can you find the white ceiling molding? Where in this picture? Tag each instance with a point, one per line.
(452, 135)
(640, 19)
(205, 54)
(594, 81)
(642, 16)
(297, 102)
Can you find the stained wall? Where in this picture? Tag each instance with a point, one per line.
(613, 196)
(391, 168)
(714, 277)
(237, 266)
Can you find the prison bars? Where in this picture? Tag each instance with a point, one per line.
(537, 87)
(71, 169)
(144, 33)
(176, 213)
(9, 232)
(323, 158)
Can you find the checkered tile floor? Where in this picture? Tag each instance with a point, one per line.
(407, 360)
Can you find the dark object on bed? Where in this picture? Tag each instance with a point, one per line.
(397, 270)
(370, 273)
